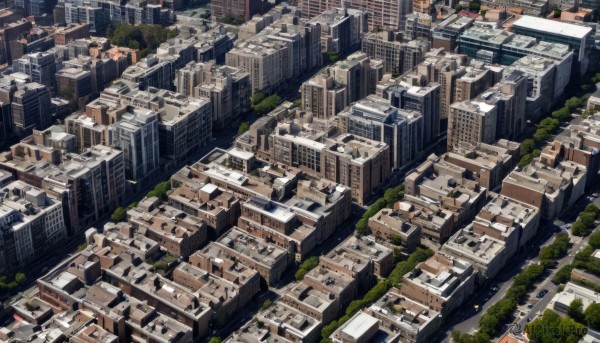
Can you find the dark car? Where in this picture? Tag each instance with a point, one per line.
(542, 293)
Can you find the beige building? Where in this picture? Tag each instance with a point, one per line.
(513, 222)
(228, 89)
(178, 233)
(323, 96)
(388, 224)
(359, 74)
(437, 224)
(218, 209)
(488, 255)
(471, 122)
(239, 248)
(398, 57)
(406, 319)
(442, 283)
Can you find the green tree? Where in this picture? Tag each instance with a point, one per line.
(331, 57)
(244, 127)
(306, 266)
(527, 146)
(133, 44)
(592, 316)
(396, 240)
(594, 240)
(257, 98)
(563, 275)
(575, 310)
(215, 339)
(561, 114)
(550, 328)
(483, 13)
(297, 102)
(118, 215)
(541, 135)
(556, 13)
(573, 103)
(266, 304)
(458, 7)
(20, 278)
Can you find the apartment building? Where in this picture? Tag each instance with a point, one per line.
(417, 26)
(33, 225)
(238, 248)
(73, 83)
(359, 74)
(398, 57)
(218, 209)
(152, 71)
(529, 7)
(488, 163)
(374, 118)
(29, 108)
(488, 255)
(422, 99)
(234, 9)
(437, 223)
(63, 36)
(441, 283)
(178, 233)
(263, 60)
(40, 66)
(137, 135)
(385, 14)
(341, 29)
(551, 188)
(418, 326)
(287, 324)
(445, 34)
(475, 80)
(224, 296)
(362, 258)
(387, 224)
(323, 96)
(513, 222)
(545, 86)
(447, 185)
(471, 122)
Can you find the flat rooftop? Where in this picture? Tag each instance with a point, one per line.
(553, 27)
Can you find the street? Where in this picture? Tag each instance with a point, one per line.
(467, 320)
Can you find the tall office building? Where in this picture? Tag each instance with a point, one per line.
(383, 14)
(40, 66)
(424, 100)
(323, 96)
(136, 134)
(471, 122)
(32, 225)
(359, 74)
(374, 118)
(31, 108)
(397, 56)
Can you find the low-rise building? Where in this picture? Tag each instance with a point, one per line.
(413, 322)
(551, 188)
(388, 225)
(178, 233)
(360, 257)
(508, 220)
(437, 224)
(562, 301)
(218, 209)
(238, 247)
(281, 320)
(488, 255)
(441, 283)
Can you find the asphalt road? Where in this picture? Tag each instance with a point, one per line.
(467, 320)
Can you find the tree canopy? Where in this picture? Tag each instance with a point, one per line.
(145, 37)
